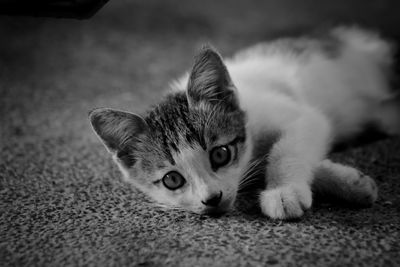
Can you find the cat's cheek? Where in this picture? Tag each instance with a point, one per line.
(162, 196)
(177, 198)
(188, 203)
(134, 177)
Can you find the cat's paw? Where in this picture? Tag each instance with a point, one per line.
(286, 202)
(363, 188)
(345, 184)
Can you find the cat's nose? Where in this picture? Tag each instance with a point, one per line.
(213, 200)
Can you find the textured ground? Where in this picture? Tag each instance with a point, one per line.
(61, 199)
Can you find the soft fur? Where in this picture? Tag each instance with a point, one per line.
(300, 96)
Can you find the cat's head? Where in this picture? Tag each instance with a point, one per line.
(190, 150)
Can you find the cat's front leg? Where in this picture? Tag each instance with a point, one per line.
(303, 144)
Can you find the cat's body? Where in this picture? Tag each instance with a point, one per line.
(347, 80)
(299, 95)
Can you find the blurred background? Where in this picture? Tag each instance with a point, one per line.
(53, 70)
(60, 199)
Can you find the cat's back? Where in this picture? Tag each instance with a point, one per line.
(343, 73)
(324, 62)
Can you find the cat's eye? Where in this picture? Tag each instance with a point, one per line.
(220, 156)
(173, 180)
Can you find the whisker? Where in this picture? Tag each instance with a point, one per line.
(166, 207)
(252, 181)
(252, 166)
(251, 174)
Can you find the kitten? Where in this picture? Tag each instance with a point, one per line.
(287, 101)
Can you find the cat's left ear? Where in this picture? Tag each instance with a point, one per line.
(209, 80)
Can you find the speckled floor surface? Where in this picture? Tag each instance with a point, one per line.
(61, 199)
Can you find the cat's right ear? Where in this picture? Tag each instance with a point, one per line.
(115, 128)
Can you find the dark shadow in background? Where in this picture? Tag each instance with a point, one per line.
(78, 9)
(24, 47)
(38, 52)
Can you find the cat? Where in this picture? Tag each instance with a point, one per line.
(287, 102)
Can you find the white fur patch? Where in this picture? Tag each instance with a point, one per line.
(273, 84)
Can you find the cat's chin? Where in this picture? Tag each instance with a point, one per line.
(223, 208)
(215, 212)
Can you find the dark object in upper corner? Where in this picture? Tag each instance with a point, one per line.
(79, 9)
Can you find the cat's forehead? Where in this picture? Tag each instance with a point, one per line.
(173, 125)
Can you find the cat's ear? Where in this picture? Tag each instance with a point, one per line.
(209, 80)
(116, 128)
